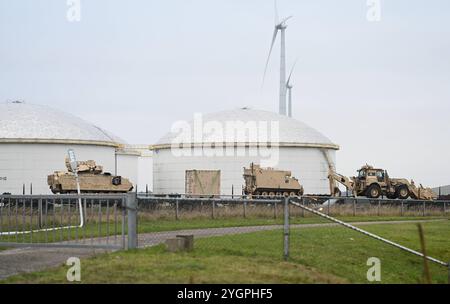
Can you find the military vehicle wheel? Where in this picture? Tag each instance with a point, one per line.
(374, 191)
(402, 192)
(264, 193)
(272, 194)
(292, 194)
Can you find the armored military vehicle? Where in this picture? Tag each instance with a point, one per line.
(91, 177)
(270, 182)
(372, 183)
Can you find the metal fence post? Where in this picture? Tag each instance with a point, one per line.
(379, 205)
(213, 209)
(445, 208)
(245, 209)
(303, 210)
(176, 210)
(286, 228)
(354, 207)
(328, 210)
(275, 210)
(423, 210)
(124, 211)
(401, 209)
(40, 216)
(131, 205)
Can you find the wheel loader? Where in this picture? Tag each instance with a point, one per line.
(373, 183)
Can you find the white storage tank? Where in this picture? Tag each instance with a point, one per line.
(34, 140)
(230, 140)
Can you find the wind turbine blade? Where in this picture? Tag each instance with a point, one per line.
(290, 73)
(285, 19)
(276, 12)
(275, 32)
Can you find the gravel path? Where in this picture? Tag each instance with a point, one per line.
(20, 260)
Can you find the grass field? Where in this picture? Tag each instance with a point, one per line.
(318, 255)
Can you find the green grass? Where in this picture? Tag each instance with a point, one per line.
(344, 252)
(318, 255)
(155, 265)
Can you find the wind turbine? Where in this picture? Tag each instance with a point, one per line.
(280, 26)
(289, 87)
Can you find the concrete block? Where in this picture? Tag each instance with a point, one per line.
(188, 240)
(180, 243)
(175, 244)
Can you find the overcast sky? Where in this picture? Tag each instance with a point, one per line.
(381, 90)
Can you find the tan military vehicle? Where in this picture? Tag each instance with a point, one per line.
(373, 183)
(270, 182)
(91, 178)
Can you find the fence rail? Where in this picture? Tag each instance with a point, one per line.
(189, 206)
(312, 197)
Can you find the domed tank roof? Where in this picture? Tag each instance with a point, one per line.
(291, 131)
(23, 122)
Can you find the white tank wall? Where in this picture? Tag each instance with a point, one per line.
(127, 166)
(309, 165)
(31, 163)
(145, 172)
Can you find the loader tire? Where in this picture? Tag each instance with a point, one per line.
(374, 191)
(402, 192)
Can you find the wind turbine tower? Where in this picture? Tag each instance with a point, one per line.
(280, 26)
(282, 106)
(289, 87)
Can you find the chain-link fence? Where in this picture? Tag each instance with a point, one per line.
(218, 224)
(376, 249)
(361, 207)
(270, 228)
(319, 232)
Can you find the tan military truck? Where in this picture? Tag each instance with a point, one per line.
(373, 183)
(91, 178)
(270, 182)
